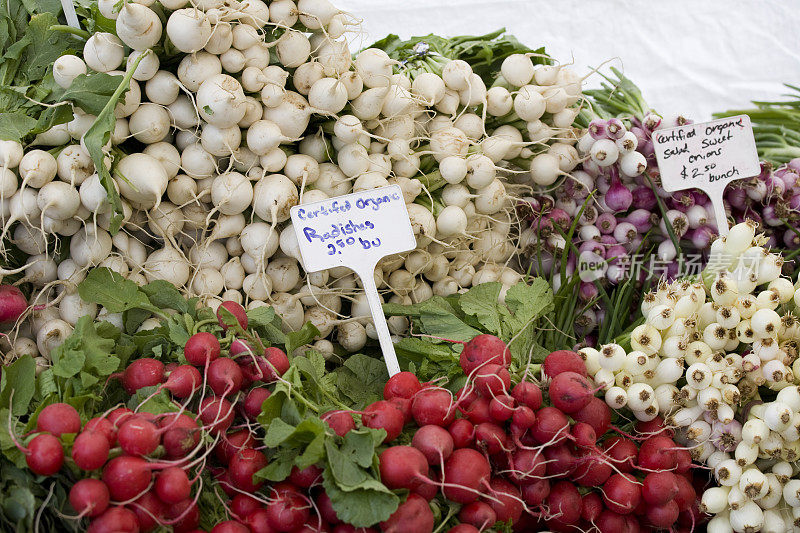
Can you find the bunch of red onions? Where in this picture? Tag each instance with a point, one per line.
(615, 195)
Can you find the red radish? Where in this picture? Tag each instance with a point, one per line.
(657, 453)
(115, 520)
(383, 415)
(251, 405)
(663, 515)
(149, 511)
(463, 528)
(465, 468)
(433, 406)
(180, 441)
(478, 514)
(340, 421)
(119, 415)
(183, 381)
(428, 491)
(126, 477)
(477, 411)
(307, 477)
(413, 515)
(610, 522)
(138, 436)
(239, 346)
(90, 450)
(173, 485)
(216, 413)
(347, 528)
(403, 467)
(560, 460)
(659, 487)
(288, 509)
(243, 504)
(466, 395)
(492, 380)
(563, 361)
(234, 309)
(622, 453)
(686, 494)
(184, 516)
(550, 426)
(509, 507)
(592, 470)
(501, 408)
(527, 465)
(528, 394)
(58, 419)
(266, 368)
(144, 372)
(596, 413)
(104, 427)
(535, 493)
(653, 428)
(230, 526)
(435, 443)
(89, 497)
(233, 442)
(491, 437)
(401, 385)
(523, 417)
(224, 376)
(44, 455)
(570, 392)
(484, 349)
(258, 521)
(683, 461)
(12, 304)
(622, 493)
(584, 435)
(201, 348)
(564, 503)
(591, 506)
(243, 466)
(325, 507)
(404, 406)
(463, 433)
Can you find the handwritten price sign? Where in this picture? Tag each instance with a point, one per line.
(707, 156)
(356, 231)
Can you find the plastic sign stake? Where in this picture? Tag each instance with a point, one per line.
(707, 156)
(70, 14)
(356, 231)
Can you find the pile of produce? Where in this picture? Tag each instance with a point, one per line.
(580, 350)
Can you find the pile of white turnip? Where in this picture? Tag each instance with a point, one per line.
(264, 108)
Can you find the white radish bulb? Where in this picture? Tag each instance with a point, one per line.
(138, 26)
(145, 179)
(148, 66)
(517, 69)
(375, 68)
(221, 101)
(189, 30)
(328, 95)
(103, 52)
(529, 104)
(37, 167)
(66, 68)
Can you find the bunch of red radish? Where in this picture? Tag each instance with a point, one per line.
(144, 469)
(510, 458)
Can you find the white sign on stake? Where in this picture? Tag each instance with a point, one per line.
(707, 156)
(356, 231)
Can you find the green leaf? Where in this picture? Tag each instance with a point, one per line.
(105, 287)
(360, 507)
(156, 404)
(15, 126)
(362, 378)
(70, 362)
(45, 47)
(178, 333)
(445, 325)
(344, 470)
(313, 454)
(481, 302)
(91, 92)
(295, 339)
(260, 316)
(19, 377)
(164, 295)
(359, 445)
(529, 302)
(280, 465)
(277, 433)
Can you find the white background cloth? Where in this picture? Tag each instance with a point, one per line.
(692, 57)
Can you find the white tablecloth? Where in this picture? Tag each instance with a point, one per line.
(688, 56)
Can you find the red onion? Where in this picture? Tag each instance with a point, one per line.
(651, 121)
(587, 291)
(608, 240)
(794, 164)
(559, 218)
(597, 129)
(615, 129)
(592, 246)
(641, 219)
(701, 237)
(589, 233)
(726, 436)
(606, 223)
(736, 197)
(770, 217)
(644, 198)
(619, 197)
(615, 254)
(625, 232)
(791, 238)
(588, 216)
